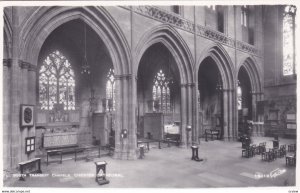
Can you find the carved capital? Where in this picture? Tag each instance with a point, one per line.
(123, 77)
(190, 84)
(7, 62)
(27, 65)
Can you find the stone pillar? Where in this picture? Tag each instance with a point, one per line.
(253, 104)
(235, 115)
(194, 113)
(260, 118)
(118, 113)
(191, 118)
(257, 128)
(125, 117)
(232, 118)
(23, 80)
(15, 93)
(132, 119)
(226, 135)
(6, 114)
(183, 114)
(32, 93)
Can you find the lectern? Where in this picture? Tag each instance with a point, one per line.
(101, 173)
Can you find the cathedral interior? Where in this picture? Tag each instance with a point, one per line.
(148, 96)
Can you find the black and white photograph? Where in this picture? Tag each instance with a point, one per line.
(164, 95)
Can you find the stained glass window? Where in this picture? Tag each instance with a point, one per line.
(244, 15)
(110, 90)
(161, 92)
(288, 39)
(56, 82)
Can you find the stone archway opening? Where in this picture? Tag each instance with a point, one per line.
(210, 100)
(92, 118)
(244, 101)
(158, 93)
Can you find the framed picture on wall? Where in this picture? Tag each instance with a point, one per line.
(27, 115)
(29, 144)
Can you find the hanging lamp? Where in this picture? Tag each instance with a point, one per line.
(85, 68)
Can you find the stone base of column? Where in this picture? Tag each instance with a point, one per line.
(183, 145)
(227, 139)
(125, 154)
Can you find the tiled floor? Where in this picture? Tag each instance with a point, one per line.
(171, 167)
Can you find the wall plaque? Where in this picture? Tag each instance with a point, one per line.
(27, 116)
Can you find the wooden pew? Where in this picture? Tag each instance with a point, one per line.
(30, 166)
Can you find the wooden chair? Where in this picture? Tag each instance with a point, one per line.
(249, 151)
(253, 148)
(268, 156)
(292, 148)
(290, 160)
(261, 148)
(281, 151)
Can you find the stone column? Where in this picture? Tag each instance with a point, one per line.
(183, 114)
(194, 113)
(23, 80)
(132, 112)
(191, 112)
(235, 115)
(118, 114)
(253, 104)
(257, 128)
(6, 114)
(225, 115)
(125, 117)
(231, 118)
(260, 118)
(15, 93)
(32, 93)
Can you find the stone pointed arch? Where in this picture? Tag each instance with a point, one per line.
(217, 52)
(225, 66)
(46, 19)
(170, 38)
(7, 37)
(254, 73)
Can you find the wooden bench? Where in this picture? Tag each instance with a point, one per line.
(146, 142)
(30, 166)
(74, 150)
(89, 149)
(212, 133)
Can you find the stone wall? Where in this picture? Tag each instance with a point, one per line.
(121, 30)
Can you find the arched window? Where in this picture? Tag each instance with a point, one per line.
(161, 92)
(239, 96)
(244, 15)
(212, 7)
(288, 40)
(110, 90)
(56, 82)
